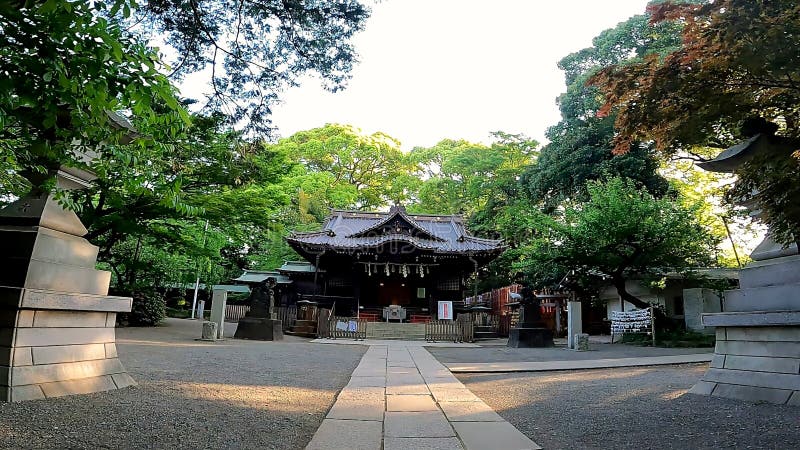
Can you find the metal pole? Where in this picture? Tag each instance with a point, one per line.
(730, 238)
(197, 280)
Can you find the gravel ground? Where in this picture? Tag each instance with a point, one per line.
(191, 394)
(447, 355)
(632, 408)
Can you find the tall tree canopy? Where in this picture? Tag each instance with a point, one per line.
(580, 144)
(253, 49)
(67, 64)
(621, 231)
(739, 60)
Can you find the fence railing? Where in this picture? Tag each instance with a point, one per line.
(286, 314)
(449, 330)
(235, 312)
(346, 328)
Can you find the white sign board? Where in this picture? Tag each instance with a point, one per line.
(445, 310)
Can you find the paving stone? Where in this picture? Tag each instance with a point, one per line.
(362, 392)
(365, 408)
(469, 412)
(447, 443)
(403, 379)
(410, 403)
(417, 424)
(454, 395)
(401, 363)
(407, 389)
(347, 434)
(443, 383)
(492, 435)
(369, 372)
(402, 370)
(367, 382)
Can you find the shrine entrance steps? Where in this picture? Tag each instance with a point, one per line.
(396, 330)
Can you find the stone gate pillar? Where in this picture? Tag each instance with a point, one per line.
(57, 334)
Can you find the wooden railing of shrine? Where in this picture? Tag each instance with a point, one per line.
(346, 328)
(449, 330)
(286, 314)
(235, 312)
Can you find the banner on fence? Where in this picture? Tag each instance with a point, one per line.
(636, 321)
(446, 310)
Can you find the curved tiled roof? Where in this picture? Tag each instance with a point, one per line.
(349, 230)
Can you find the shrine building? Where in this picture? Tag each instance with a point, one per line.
(366, 261)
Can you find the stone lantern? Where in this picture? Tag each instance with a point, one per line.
(757, 353)
(57, 334)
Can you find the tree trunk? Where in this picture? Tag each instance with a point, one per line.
(619, 283)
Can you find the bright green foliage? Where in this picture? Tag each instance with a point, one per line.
(580, 148)
(466, 178)
(739, 62)
(622, 231)
(64, 67)
(342, 167)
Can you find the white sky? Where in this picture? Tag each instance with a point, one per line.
(434, 69)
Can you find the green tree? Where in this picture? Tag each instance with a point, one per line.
(580, 148)
(467, 178)
(65, 67)
(739, 61)
(622, 231)
(347, 167)
(253, 49)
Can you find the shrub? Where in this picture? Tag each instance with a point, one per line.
(148, 309)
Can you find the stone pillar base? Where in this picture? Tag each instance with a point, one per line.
(757, 356)
(529, 337)
(57, 320)
(260, 329)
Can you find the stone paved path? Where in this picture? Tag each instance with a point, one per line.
(400, 397)
(604, 363)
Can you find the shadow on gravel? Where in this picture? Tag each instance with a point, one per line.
(190, 394)
(632, 408)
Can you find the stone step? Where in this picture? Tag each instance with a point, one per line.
(778, 271)
(765, 298)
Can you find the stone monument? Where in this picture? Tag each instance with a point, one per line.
(530, 331)
(757, 354)
(261, 323)
(57, 320)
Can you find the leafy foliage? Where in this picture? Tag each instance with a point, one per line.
(622, 231)
(64, 67)
(149, 309)
(738, 61)
(580, 144)
(253, 50)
